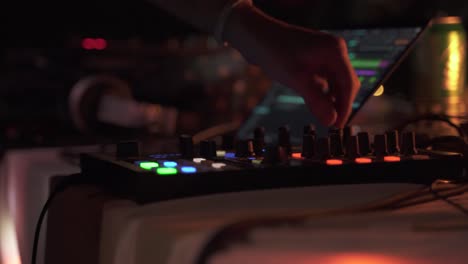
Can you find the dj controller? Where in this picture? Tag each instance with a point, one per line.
(341, 157)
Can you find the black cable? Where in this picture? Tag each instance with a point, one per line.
(432, 117)
(238, 232)
(450, 202)
(66, 182)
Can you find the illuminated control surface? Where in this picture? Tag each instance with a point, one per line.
(327, 161)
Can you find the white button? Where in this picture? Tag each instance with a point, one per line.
(198, 160)
(218, 165)
(220, 153)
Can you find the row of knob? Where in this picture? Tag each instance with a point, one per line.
(338, 143)
(352, 146)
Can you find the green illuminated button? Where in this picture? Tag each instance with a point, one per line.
(365, 63)
(148, 165)
(220, 153)
(257, 161)
(290, 99)
(166, 171)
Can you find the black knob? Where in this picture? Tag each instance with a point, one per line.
(284, 139)
(334, 130)
(308, 146)
(186, 146)
(336, 145)
(352, 147)
(393, 144)
(227, 142)
(309, 129)
(128, 149)
(244, 148)
(408, 144)
(364, 143)
(208, 149)
(347, 133)
(259, 141)
(275, 155)
(380, 146)
(322, 148)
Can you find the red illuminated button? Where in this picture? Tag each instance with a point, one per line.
(100, 44)
(87, 43)
(392, 159)
(334, 162)
(363, 160)
(297, 155)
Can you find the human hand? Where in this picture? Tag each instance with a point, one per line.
(313, 63)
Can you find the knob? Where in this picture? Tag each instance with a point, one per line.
(322, 148)
(336, 145)
(128, 149)
(186, 146)
(347, 133)
(227, 142)
(408, 144)
(334, 130)
(309, 129)
(284, 139)
(208, 149)
(352, 147)
(393, 145)
(244, 148)
(259, 141)
(380, 146)
(308, 146)
(275, 155)
(364, 143)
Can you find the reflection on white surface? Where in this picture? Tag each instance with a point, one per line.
(272, 257)
(8, 243)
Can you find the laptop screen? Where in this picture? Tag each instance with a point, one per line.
(374, 54)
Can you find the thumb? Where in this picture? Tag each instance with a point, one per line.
(320, 104)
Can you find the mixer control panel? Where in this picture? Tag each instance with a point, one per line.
(341, 157)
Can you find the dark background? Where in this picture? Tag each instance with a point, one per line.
(48, 21)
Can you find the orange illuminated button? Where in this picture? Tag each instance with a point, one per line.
(392, 159)
(334, 162)
(363, 160)
(420, 157)
(297, 155)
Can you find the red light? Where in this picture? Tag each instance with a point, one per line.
(392, 159)
(100, 43)
(363, 160)
(94, 44)
(87, 43)
(334, 162)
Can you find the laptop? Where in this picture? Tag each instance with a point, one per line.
(374, 53)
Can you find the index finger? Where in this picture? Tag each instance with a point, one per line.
(344, 85)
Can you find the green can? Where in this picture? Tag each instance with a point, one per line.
(441, 68)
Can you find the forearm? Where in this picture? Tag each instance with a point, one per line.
(244, 26)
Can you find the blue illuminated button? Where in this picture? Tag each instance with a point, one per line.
(188, 169)
(170, 164)
(147, 165)
(230, 155)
